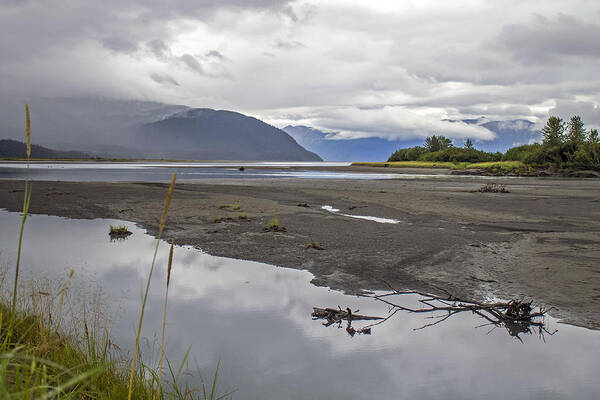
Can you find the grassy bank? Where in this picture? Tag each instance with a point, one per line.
(412, 164)
(39, 362)
(506, 166)
(492, 168)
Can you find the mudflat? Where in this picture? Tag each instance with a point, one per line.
(540, 241)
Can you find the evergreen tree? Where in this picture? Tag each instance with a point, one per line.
(437, 143)
(576, 134)
(593, 144)
(593, 137)
(553, 132)
(468, 144)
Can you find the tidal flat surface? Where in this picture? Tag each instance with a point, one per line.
(255, 319)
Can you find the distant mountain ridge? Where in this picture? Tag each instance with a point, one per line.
(366, 149)
(509, 133)
(14, 149)
(207, 134)
(142, 129)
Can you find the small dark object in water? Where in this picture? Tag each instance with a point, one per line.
(303, 205)
(242, 169)
(332, 316)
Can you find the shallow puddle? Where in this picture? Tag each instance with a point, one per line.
(365, 217)
(255, 319)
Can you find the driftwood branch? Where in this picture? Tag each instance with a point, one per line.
(516, 316)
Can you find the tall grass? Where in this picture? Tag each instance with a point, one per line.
(164, 325)
(26, 202)
(161, 226)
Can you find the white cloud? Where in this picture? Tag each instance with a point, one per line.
(393, 122)
(385, 68)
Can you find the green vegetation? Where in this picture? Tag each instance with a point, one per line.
(233, 207)
(41, 359)
(408, 164)
(315, 245)
(565, 147)
(273, 223)
(242, 215)
(440, 149)
(220, 219)
(119, 231)
(274, 226)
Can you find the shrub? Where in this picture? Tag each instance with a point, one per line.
(410, 154)
(455, 154)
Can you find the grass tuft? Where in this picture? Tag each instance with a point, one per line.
(315, 245)
(242, 215)
(118, 232)
(233, 207)
(274, 226)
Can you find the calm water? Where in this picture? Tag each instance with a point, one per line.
(256, 320)
(162, 171)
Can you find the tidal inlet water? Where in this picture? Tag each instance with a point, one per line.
(254, 320)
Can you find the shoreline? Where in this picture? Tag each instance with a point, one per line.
(436, 168)
(537, 242)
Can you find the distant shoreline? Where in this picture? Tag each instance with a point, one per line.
(505, 168)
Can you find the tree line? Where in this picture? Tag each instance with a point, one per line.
(564, 145)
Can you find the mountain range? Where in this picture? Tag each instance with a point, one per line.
(142, 129)
(508, 134)
(206, 134)
(331, 149)
(14, 149)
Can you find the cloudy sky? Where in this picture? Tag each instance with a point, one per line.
(392, 69)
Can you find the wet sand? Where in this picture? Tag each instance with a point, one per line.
(541, 241)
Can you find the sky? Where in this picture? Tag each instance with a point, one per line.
(392, 69)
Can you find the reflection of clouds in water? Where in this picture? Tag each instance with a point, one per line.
(255, 319)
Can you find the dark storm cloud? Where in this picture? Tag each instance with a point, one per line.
(192, 63)
(545, 39)
(215, 54)
(119, 44)
(588, 111)
(158, 48)
(164, 79)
